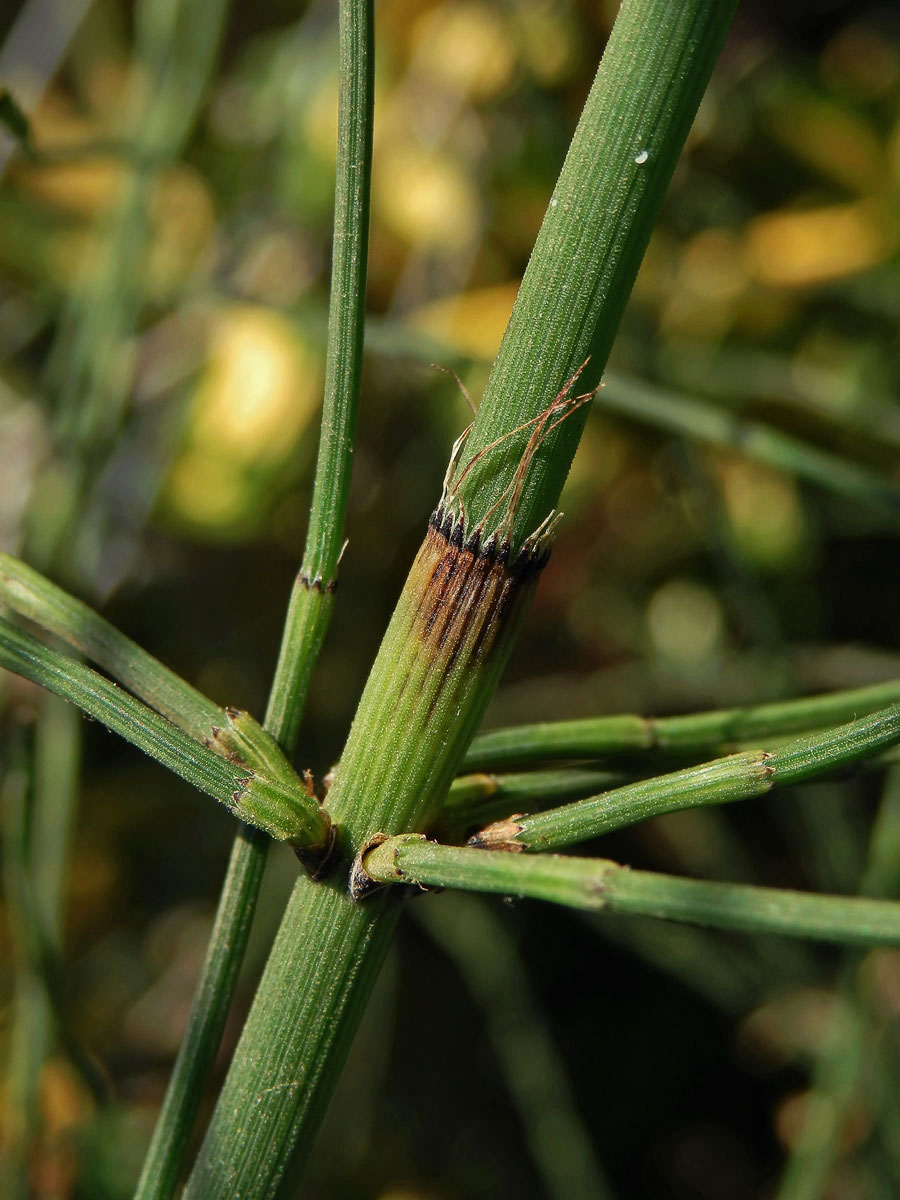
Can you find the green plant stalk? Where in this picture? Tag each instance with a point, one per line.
(594, 737)
(443, 652)
(89, 376)
(286, 813)
(210, 1005)
(312, 598)
(234, 734)
(621, 159)
(722, 781)
(597, 883)
(29, 594)
(476, 940)
(688, 417)
(473, 800)
(419, 710)
(37, 832)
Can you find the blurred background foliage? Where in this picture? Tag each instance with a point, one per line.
(163, 274)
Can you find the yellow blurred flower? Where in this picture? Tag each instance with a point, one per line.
(470, 322)
(256, 397)
(764, 511)
(426, 198)
(685, 621)
(260, 389)
(793, 249)
(465, 48)
(184, 221)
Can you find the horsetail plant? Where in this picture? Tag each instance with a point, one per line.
(445, 648)
(455, 623)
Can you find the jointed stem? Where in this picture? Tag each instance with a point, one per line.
(737, 777)
(597, 883)
(693, 733)
(271, 802)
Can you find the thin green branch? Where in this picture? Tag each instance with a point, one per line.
(694, 733)
(286, 813)
(30, 1018)
(855, 1035)
(692, 418)
(722, 781)
(209, 1008)
(28, 594)
(600, 884)
(312, 598)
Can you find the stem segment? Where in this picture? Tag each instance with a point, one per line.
(594, 737)
(597, 883)
(312, 598)
(285, 812)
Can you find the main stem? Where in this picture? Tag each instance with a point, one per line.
(456, 619)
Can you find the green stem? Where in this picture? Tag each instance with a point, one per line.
(30, 1018)
(722, 781)
(209, 1008)
(592, 883)
(312, 598)
(603, 207)
(455, 621)
(594, 737)
(27, 593)
(692, 418)
(285, 812)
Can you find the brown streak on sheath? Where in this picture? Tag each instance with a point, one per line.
(450, 596)
(464, 604)
(469, 590)
(441, 579)
(459, 608)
